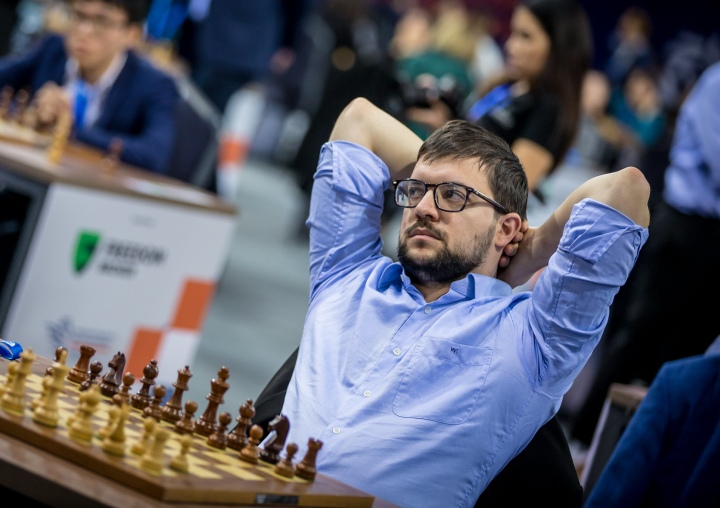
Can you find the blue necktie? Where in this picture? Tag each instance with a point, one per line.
(81, 100)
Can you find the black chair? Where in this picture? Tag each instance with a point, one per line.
(542, 475)
(194, 154)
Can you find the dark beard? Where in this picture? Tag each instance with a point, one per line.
(446, 266)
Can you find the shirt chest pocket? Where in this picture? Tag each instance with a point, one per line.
(442, 382)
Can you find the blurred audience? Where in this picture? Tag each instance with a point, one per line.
(630, 45)
(8, 20)
(535, 104)
(236, 43)
(637, 105)
(601, 140)
(663, 312)
(439, 71)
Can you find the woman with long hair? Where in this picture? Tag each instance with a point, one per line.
(535, 104)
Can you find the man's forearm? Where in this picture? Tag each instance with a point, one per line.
(627, 191)
(364, 123)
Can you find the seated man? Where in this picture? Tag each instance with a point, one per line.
(92, 74)
(424, 378)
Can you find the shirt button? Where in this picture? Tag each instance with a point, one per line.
(367, 393)
(336, 430)
(427, 310)
(397, 351)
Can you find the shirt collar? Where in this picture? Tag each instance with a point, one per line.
(107, 79)
(474, 286)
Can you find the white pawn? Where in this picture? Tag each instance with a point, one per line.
(153, 459)
(141, 446)
(113, 415)
(180, 461)
(114, 442)
(80, 424)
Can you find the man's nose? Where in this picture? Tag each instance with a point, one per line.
(426, 207)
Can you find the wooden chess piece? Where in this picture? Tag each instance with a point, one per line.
(113, 413)
(114, 442)
(95, 370)
(59, 139)
(141, 446)
(13, 400)
(180, 461)
(237, 439)
(11, 373)
(81, 371)
(186, 425)
(306, 469)
(58, 352)
(278, 429)
(47, 412)
(206, 424)
(111, 161)
(172, 412)
(154, 410)
(218, 439)
(128, 380)
(22, 99)
(285, 467)
(250, 452)
(80, 424)
(142, 398)
(110, 384)
(152, 460)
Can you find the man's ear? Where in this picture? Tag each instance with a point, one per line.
(134, 35)
(508, 226)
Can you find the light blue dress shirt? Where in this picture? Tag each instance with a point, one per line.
(692, 180)
(423, 404)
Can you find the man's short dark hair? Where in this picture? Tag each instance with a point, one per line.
(459, 140)
(136, 10)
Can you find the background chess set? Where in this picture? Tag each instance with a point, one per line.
(185, 468)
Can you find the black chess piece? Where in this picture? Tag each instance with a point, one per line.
(111, 381)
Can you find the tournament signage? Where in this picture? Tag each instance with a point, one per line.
(119, 273)
(116, 257)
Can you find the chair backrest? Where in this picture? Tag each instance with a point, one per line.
(194, 153)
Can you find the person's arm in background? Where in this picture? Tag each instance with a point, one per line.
(627, 191)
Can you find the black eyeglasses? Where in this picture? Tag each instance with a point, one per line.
(99, 24)
(449, 196)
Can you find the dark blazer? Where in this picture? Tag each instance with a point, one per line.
(139, 109)
(669, 455)
(542, 474)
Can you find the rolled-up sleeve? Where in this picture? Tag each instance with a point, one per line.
(571, 300)
(345, 209)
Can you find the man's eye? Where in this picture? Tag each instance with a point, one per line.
(416, 192)
(453, 194)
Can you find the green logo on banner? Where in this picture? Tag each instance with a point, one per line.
(86, 243)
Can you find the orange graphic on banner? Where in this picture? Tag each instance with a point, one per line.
(194, 303)
(143, 348)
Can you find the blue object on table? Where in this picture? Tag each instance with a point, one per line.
(10, 350)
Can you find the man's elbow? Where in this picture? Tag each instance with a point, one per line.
(635, 192)
(350, 124)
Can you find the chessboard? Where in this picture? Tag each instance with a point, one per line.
(17, 120)
(211, 476)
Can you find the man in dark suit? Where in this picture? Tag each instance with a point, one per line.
(669, 455)
(92, 74)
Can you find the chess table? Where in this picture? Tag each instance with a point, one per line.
(57, 285)
(45, 465)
